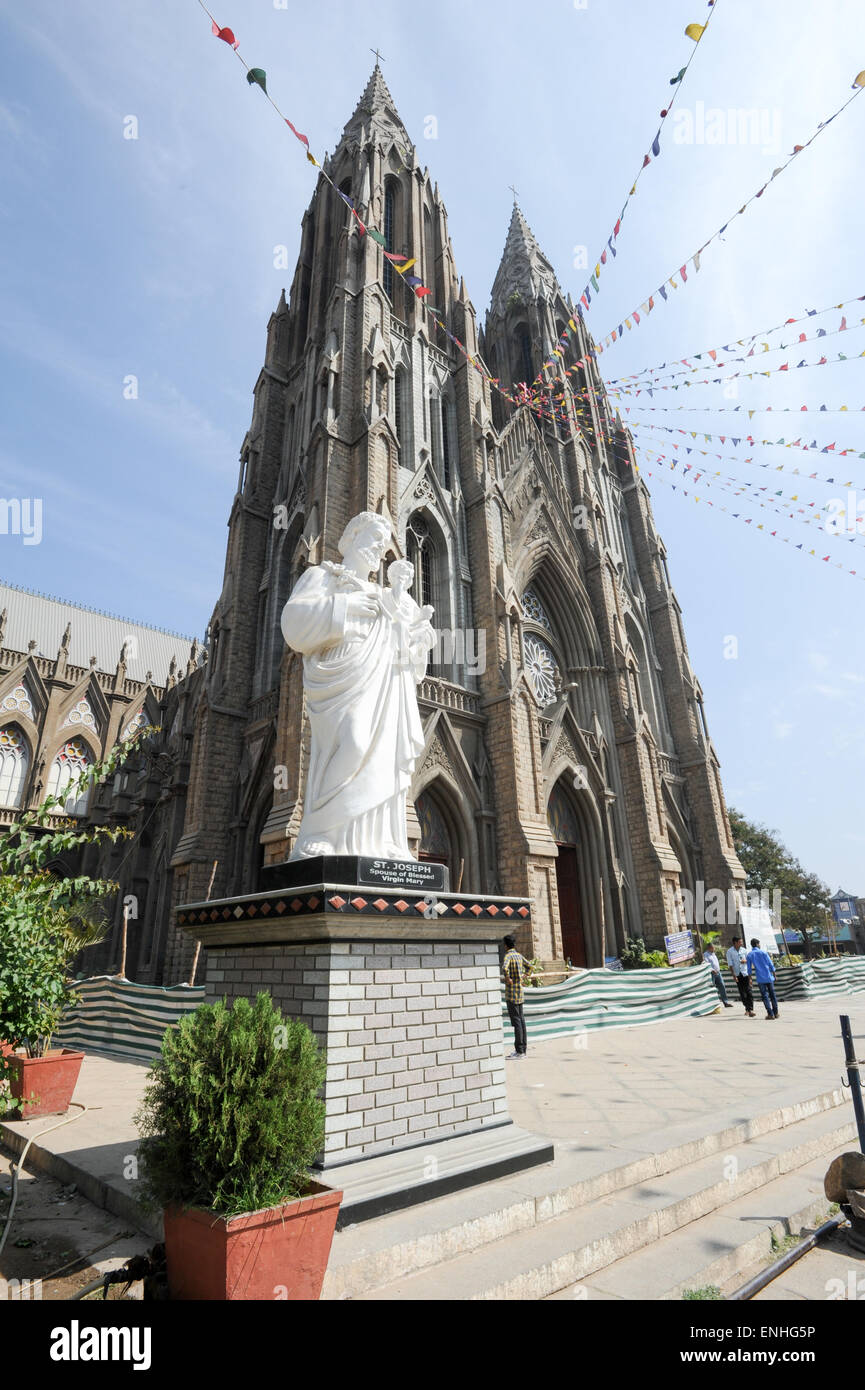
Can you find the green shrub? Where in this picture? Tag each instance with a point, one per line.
(656, 959)
(634, 955)
(231, 1119)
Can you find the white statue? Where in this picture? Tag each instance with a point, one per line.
(364, 650)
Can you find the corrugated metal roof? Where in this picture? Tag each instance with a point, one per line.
(37, 617)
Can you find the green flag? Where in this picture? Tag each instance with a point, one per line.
(257, 75)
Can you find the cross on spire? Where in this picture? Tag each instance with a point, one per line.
(379, 57)
(513, 190)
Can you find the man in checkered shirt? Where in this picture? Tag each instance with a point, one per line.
(515, 968)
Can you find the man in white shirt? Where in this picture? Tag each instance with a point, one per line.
(717, 979)
(738, 962)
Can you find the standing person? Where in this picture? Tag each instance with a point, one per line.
(737, 961)
(761, 965)
(717, 979)
(514, 968)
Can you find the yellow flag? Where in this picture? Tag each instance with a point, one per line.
(859, 79)
(695, 32)
(406, 265)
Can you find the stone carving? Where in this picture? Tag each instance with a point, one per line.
(365, 649)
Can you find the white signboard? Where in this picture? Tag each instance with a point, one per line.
(757, 921)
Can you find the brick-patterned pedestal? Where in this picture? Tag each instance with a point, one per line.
(403, 993)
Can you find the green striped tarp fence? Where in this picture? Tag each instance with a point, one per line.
(813, 979)
(611, 999)
(122, 1018)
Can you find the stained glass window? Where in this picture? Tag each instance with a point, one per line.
(533, 609)
(138, 722)
(81, 714)
(541, 668)
(562, 820)
(388, 236)
(73, 758)
(434, 838)
(14, 761)
(18, 699)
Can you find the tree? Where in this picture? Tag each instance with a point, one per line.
(46, 919)
(769, 866)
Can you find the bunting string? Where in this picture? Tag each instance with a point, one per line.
(649, 378)
(748, 521)
(694, 473)
(813, 447)
(752, 338)
(754, 463)
(619, 392)
(634, 319)
(695, 33)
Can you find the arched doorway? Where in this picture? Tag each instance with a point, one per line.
(438, 844)
(563, 824)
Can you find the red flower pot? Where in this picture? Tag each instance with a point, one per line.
(279, 1253)
(44, 1084)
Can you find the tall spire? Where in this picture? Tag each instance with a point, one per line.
(375, 115)
(524, 269)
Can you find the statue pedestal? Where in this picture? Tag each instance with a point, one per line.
(402, 989)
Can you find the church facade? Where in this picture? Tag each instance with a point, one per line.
(567, 756)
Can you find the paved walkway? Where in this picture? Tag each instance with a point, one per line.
(626, 1086)
(600, 1088)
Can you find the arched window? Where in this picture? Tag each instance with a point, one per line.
(421, 553)
(436, 843)
(73, 759)
(402, 407)
(14, 762)
(389, 227)
(526, 355)
(447, 444)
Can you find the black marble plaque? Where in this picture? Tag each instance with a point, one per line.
(353, 869)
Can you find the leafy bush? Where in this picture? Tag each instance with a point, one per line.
(47, 920)
(32, 971)
(657, 959)
(231, 1119)
(634, 955)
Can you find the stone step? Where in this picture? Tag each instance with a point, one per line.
(368, 1257)
(724, 1248)
(569, 1249)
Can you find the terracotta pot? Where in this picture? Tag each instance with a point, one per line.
(44, 1084)
(279, 1253)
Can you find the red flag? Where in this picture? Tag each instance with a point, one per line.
(302, 138)
(225, 34)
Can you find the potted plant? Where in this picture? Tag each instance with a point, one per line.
(230, 1123)
(46, 920)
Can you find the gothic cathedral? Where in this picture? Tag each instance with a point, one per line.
(567, 756)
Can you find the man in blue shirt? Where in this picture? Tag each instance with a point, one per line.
(761, 967)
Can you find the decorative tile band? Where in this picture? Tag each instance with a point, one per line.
(300, 903)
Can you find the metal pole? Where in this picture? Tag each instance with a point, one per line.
(123, 948)
(853, 1079)
(772, 1271)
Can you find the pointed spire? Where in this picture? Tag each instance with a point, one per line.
(375, 114)
(282, 307)
(524, 269)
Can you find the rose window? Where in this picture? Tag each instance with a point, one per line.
(541, 669)
(18, 699)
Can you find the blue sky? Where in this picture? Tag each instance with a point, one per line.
(155, 257)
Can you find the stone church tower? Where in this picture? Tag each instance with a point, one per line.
(567, 756)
